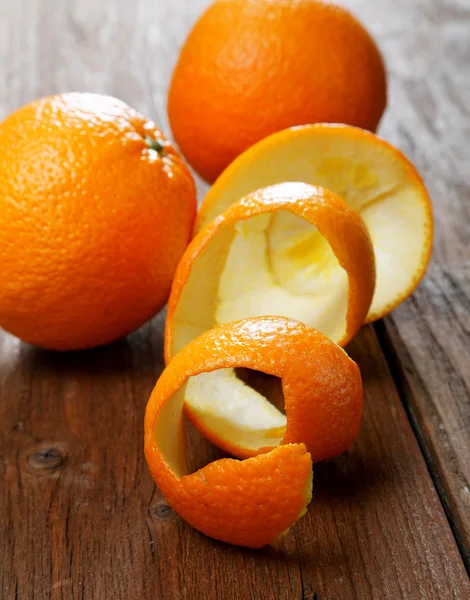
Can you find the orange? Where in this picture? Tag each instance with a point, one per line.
(293, 250)
(96, 209)
(252, 67)
(375, 179)
(252, 502)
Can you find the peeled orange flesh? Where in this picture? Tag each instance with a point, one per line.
(252, 502)
(292, 250)
(372, 176)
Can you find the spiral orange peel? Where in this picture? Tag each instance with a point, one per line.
(253, 501)
(374, 177)
(293, 250)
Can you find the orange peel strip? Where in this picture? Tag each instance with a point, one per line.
(374, 177)
(228, 412)
(312, 226)
(251, 502)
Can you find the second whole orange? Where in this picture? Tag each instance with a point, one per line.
(250, 68)
(96, 209)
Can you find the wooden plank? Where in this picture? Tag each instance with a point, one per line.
(427, 342)
(81, 517)
(427, 45)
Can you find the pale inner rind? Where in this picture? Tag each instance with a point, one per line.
(240, 414)
(274, 264)
(279, 264)
(169, 431)
(370, 176)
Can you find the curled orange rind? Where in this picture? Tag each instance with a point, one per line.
(293, 250)
(301, 252)
(372, 176)
(253, 501)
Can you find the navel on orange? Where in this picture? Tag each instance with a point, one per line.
(252, 67)
(96, 209)
(252, 502)
(293, 250)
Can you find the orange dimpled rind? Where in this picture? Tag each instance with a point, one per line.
(249, 502)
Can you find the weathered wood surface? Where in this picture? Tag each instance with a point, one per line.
(81, 518)
(427, 43)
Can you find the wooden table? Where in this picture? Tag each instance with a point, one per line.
(81, 517)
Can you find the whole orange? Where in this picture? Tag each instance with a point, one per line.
(253, 67)
(96, 209)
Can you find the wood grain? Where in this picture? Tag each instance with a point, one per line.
(427, 45)
(81, 518)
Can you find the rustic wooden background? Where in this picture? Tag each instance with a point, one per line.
(81, 517)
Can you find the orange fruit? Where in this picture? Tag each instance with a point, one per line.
(293, 250)
(376, 180)
(96, 209)
(252, 502)
(252, 67)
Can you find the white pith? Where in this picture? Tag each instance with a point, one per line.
(271, 264)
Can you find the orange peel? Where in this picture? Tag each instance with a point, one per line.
(291, 249)
(215, 283)
(253, 501)
(374, 177)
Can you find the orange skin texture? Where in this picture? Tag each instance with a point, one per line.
(252, 502)
(252, 67)
(324, 408)
(92, 221)
(323, 399)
